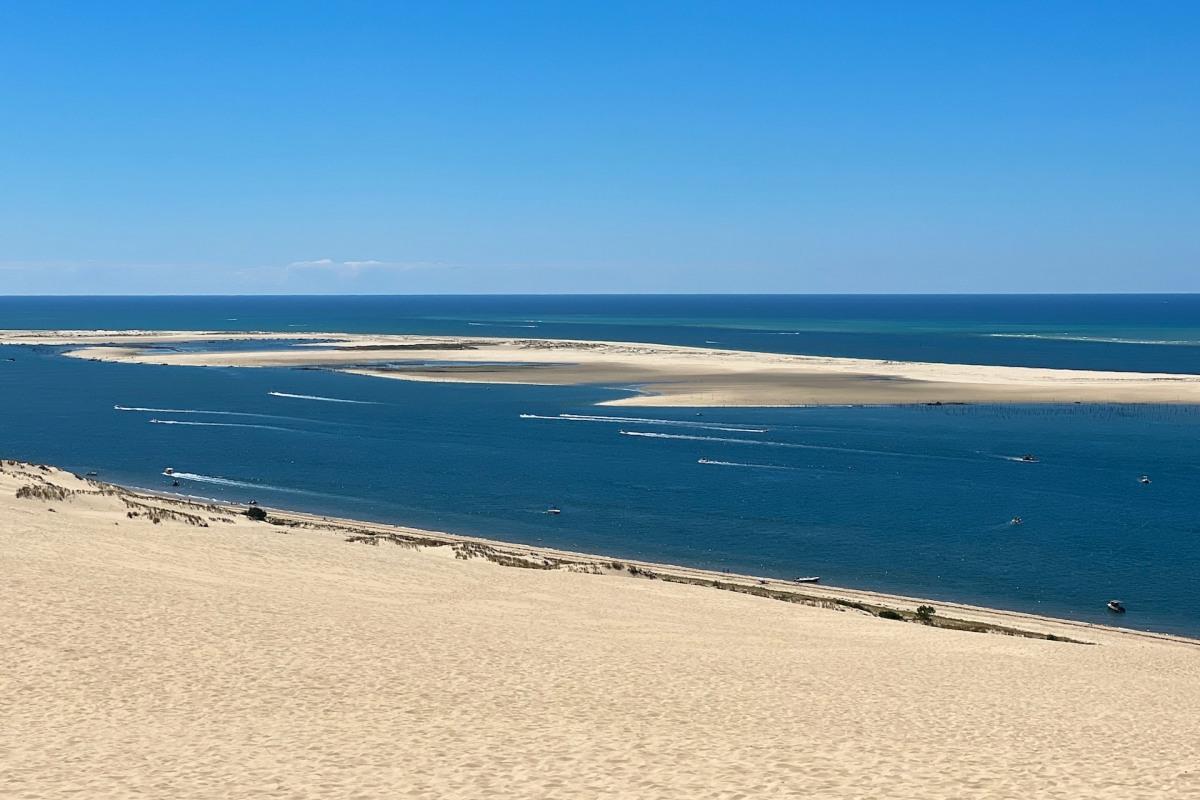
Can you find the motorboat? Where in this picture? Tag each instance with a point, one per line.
(809, 579)
(1016, 521)
(169, 471)
(1144, 480)
(1028, 458)
(1116, 606)
(553, 510)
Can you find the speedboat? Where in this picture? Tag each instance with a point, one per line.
(1144, 480)
(553, 510)
(809, 579)
(1016, 521)
(169, 471)
(1116, 606)
(1029, 458)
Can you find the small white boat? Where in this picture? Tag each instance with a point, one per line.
(1144, 480)
(169, 471)
(809, 579)
(1116, 606)
(553, 510)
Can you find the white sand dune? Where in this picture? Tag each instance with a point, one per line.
(244, 659)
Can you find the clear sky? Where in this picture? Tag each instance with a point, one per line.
(599, 147)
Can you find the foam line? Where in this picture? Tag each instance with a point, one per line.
(499, 325)
(1063, 337)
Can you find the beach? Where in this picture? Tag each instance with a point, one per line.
(666, 375)
(166, 647)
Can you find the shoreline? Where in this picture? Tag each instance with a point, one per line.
(666, 375)
(319, 656)
(531, 556)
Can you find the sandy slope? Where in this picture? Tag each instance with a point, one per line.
(670, 375)
(243, 659)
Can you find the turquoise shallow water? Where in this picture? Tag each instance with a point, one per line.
(915, 499)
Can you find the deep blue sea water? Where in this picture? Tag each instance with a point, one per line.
(915, 500)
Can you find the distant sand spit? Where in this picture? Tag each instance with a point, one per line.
(668, 375)
(160, 648)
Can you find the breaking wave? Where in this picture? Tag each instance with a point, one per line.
(500, 325)
(1064, 337)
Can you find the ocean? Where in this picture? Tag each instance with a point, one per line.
(913, 500)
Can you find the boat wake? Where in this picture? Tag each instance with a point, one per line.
(224, 425)
(796, 445)
(192, 476)
(322, 399)
(683, 423)
(207, 412)
(711, 462)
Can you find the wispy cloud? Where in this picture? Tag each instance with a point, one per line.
(352, 267)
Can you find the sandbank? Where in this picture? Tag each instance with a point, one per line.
(666, 375)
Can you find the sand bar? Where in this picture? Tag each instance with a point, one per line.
(188, 652)
(667, 375)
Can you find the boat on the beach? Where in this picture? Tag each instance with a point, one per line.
(809, 579)
(1116, 606)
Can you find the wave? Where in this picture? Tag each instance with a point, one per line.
(646, 421)
(499, 325)
(322, 399)
(223, 425)
(711, 462)
(795, 445)
(1063, 337)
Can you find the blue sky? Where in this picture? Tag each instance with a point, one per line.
(599, 147)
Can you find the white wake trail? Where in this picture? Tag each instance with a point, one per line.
(711, 462)
(795, 445)
(322, 399)
(223, 425)
(646, 421)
